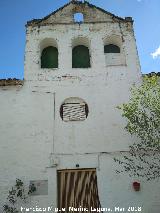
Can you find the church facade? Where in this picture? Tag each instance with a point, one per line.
(60, 128)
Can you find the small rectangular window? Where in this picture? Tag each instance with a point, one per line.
(78, 17)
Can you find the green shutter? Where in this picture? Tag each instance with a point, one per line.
(111, 48)
(49, 58)
(80, 57)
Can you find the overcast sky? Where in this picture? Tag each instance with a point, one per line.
(15, 13)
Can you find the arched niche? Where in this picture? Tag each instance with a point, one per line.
(114, 43)
(49, 53)
(114, 51)
(81, 53)
(80, 40)
(111, 48)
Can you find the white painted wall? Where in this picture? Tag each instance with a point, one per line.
(33, 134)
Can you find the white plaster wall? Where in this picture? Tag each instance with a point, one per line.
(115, 190)
(32, 131)
(26, 136)
(64, 34)
(102, 87)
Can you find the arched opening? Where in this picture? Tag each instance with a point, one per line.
(78, 17)
(114, 51)
(49, 57)
(80, 57)
(111, 48)
(74, 109)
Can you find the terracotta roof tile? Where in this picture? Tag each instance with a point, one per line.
(11, 82)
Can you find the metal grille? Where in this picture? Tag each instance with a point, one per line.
(74, 112)
(78, 188)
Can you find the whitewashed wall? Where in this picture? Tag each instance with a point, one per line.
(33, 135)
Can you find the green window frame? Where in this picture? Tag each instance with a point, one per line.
(111, 48)
(80, 57)
(49, 57)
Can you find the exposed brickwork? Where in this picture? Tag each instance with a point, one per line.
(91, 14)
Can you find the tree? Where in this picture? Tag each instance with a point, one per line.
(17, 195)
(143, 121)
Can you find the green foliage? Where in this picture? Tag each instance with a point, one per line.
(32, 189)
(143, 121)
(17, 193)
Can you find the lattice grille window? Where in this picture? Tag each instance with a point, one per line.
(74, 111)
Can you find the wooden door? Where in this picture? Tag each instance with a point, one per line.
(78, 189)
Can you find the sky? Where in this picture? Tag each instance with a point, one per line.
(15, 13)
